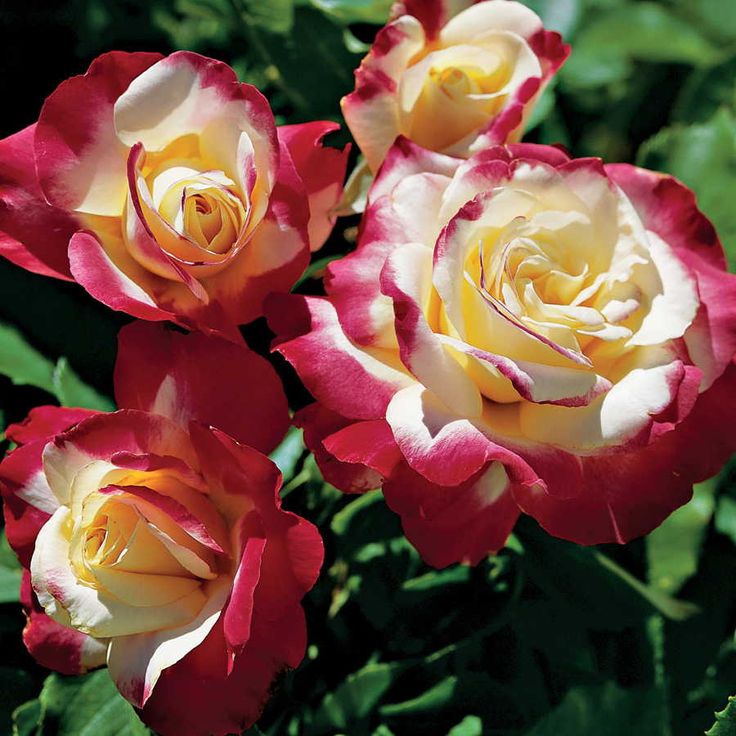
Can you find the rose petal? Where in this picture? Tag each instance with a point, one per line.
(321, 169)
(457, 523)
(351, 476)
(353, 381)
(371, 111)
(207, 379)
(33, 234)
(627, 494)
(80, 159)
(54, 646)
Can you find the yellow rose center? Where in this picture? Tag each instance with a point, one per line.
(200, 205)
(196, 212)
(548, 277)
(548, 287)
(131, 546)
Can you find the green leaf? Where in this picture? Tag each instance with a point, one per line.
(366, 520)
(562, 16)
(195, 24)
(59, 318)
(469, 726)
(21, 363)
(702, 156)
(88, 705)
(24, 365)
(253, 731)
(705, 91)
(597, 589)
(603, 710)
(435, 698)
(726, 517)
(454, 575)
(355, 11)
(697, 651)
(607, 46)
(276, 16)
(345, 520)
(553, 130)
(71, 391)
(353, 43)
(10, 572)
(546, 627)
(311, 68)
(27, 718)
(16, 687)
(715, 688)
(673, 549)
(670, 607)
(288, 453)
(316, 269)
(725, 724)
(383, 730)
(718, 18)
(355, 698)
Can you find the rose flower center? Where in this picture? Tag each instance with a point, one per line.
(196, 212)
(202, 206)
(448, 93)
(130, 537)
(547, 285)
(540, 293)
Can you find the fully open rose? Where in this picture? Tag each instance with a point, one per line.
(451, 76)
(520, 332)
(155, 542)
(163, 186)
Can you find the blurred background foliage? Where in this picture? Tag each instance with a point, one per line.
(544, 639)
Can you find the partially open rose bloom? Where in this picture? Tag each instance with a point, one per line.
(154, 541)
(520, 332)
(452, 76)
(163, 186)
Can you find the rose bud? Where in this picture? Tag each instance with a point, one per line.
(451, 76)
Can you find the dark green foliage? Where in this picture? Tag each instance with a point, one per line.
(79, 706)
(725, 724)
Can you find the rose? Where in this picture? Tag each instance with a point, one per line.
(169, 187)
(520, 332)
(156, 542)
(451, 76)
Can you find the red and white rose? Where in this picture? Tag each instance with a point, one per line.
(162, 186)
(452, 76)
(153, 539)
(520, 332)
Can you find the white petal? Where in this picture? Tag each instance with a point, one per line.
(485, 17)
(136, 662)
(673, 310)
